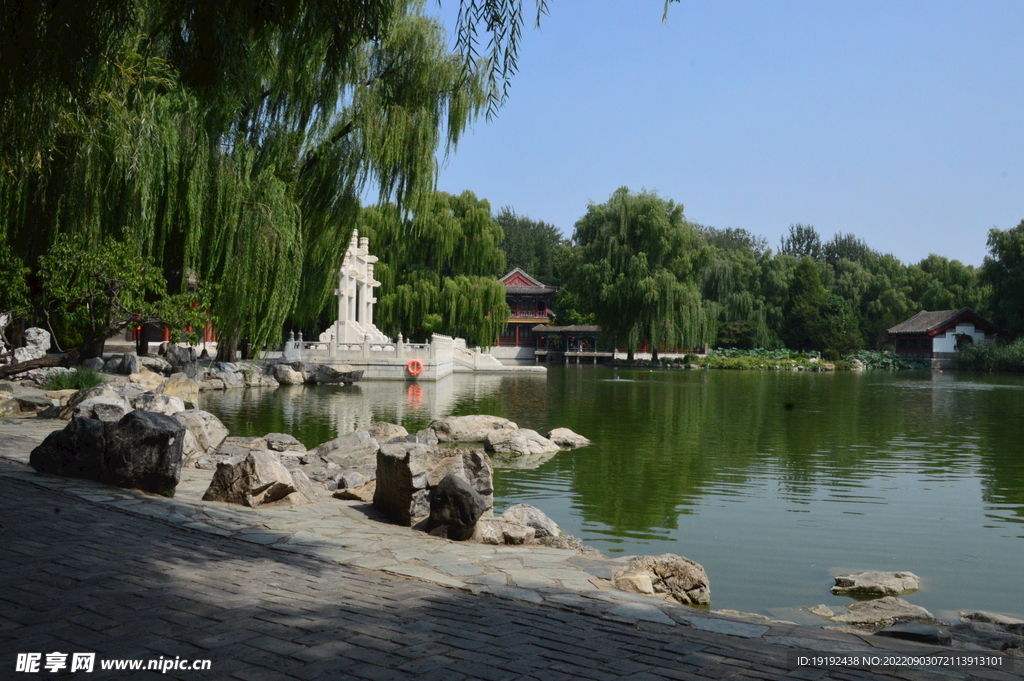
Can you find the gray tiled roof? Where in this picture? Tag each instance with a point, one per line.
(926, 322)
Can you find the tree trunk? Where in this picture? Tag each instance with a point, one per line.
(51, 361)
(654, 354)
(629, 355)
(141, 345)
(227, 347)
(93, 348)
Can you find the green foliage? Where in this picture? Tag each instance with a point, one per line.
(639, 264)
(992, 356)
(78, 379)
(436, 269)
(91, 290)
(530, 245)
(802, 241)
(1003, 270)
(844, 247)
(14, 292)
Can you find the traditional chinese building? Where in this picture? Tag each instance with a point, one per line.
(530, 303)
(938, 335)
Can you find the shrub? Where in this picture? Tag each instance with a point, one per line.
(79, 379)
(992, 356)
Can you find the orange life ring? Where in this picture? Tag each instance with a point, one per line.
(414, 367)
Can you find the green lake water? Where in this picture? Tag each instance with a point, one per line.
(773, 481)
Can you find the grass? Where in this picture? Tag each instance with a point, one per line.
(79, 379)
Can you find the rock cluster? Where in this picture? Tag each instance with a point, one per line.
(142, 451)
(259, 479)
(505, 438)
(875, 583)
(668, 576)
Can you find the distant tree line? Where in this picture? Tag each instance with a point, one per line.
(651, 278)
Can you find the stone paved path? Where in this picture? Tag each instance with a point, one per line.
(329, 591)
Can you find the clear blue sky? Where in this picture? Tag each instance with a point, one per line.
(901, 122)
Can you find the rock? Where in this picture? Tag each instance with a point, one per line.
(182, 387)
(407, 471)
(147, 380)
(634, 582)
(282, 442)
(93, 363)
(231, 380)
(491, 531)
(32, 399)
(383, 432)
(102, 408)
(362, 493)
(991, 618)
(568, 542)
(258, 479)
(521, 441)
(259, 380)
(182, 360)
(857, 365)
(162, 404)
(157, 365)
(190, 450)
(672, 577)
(111, 365)
(916, 631)
(229, 367)
(424, 437)
(524, 514)
(821, 611)
(329, 373)
(882, 611)
(37, 339)
(986, 635)
(469, 428)
(212, 384)
(101, 390)
(355, 449)
(141, 451)
(875, 583)
(237, 445)
(40, 376)
(350, 479)
(37, 344)
(8, 405)
(129, 364)
(61, 396)
(206, 429)
(286, 375)
(455, 508)
(566, 439)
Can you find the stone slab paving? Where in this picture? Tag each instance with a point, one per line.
(331, 590)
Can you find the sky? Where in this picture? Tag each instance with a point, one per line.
(899, 122)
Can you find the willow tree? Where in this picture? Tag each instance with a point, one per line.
(437, 268)
(228, 143)
(639, 264)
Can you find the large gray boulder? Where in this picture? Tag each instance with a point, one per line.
(455, 508)
(671, 577)
(283, 442)
(230, 448)
(882, 611)
(496, 531)
(141, 451)
(129, 364)
(382, 431)
(206, 429)
(406, 472)
(518, 442)
(330, 373)
(567, 439)
(531, 516)
(32, 399)
(101, 390)
(37, 344)
(258, 479)
(874, 583)
(285, 374)
(232, 380)
(181, 386)
(160, 403)
(103, 408)
(358, 448)
(182, 360)
(474, 428)
(94, 363)
(157, 365)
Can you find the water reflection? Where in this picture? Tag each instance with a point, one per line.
(773, 481)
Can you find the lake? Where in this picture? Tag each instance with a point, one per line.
(773, 481)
